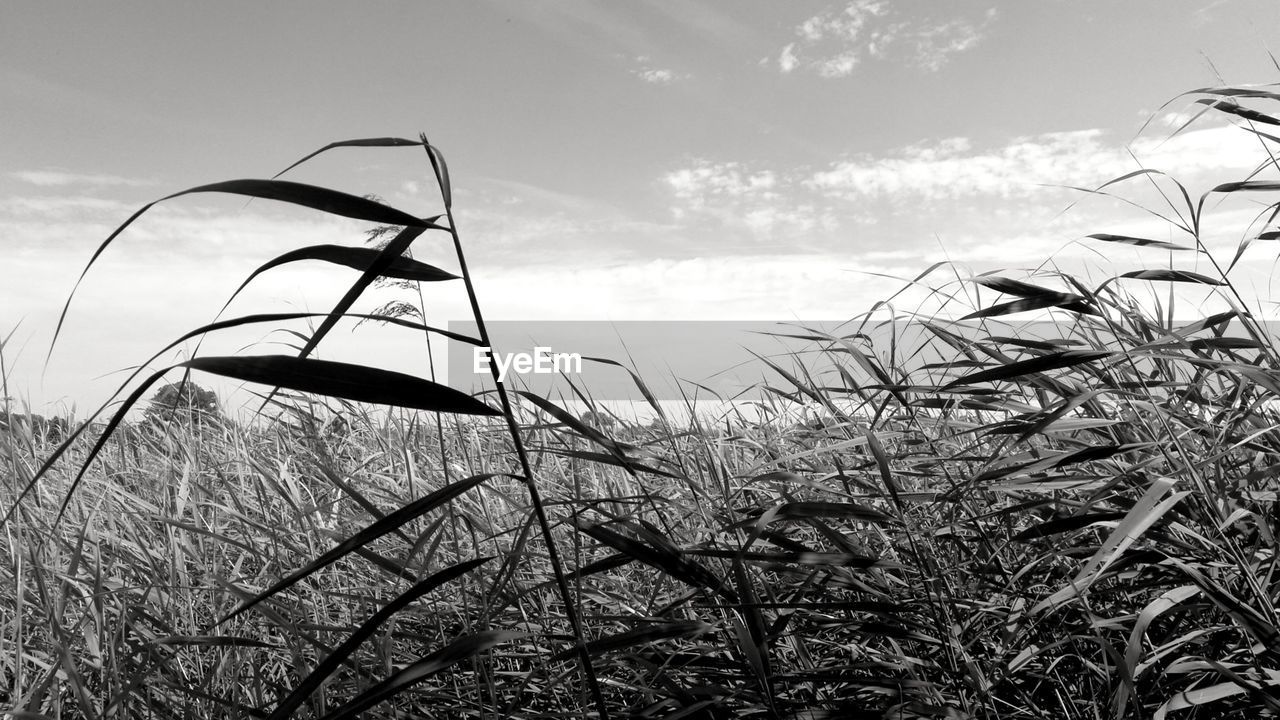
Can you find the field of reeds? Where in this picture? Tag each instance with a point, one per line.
(990, 523)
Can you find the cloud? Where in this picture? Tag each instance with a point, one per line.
(58, 178)
(708, 180)
(835, 43)
(787, 60)
(657, 76)
(952, 169)
(997, 203)
(759, 204)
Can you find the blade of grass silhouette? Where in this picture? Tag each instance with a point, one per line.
(356, 258)
(640, 384)
(1172, 276)
(309, 196)
(577, 425)
(1231, 107)
(1141, 242)
(276, 317)
(1044, 363)
(609, 562)
(358, 383)
(1012, 287)
(361, 259)
(385, 258)
(1149, 509)
(674, 564)
(442, 175)
(391, 522)
(1246, 242)
(1064, 525)
(364, 143)
(456, 651)
(1189, 229)
(339, 655)
(1063, 301)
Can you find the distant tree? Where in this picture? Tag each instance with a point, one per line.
(51, 429)
(183, 402)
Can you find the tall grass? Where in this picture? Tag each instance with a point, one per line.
(983, 524)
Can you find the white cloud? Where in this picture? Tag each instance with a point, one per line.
(59, 178)
(834, 43)
(655, 75)
(985, 204)
(787, 60)
(951, 169)
(706, 180)
(759, 202)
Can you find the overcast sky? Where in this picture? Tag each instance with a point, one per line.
(684, 159)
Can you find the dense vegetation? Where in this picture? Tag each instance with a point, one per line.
(1076, 525)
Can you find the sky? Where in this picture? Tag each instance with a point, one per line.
(644, 160)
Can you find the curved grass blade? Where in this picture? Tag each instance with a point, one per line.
(1133, 650)
(1172, 276)
(577, 426)
(393, 521)
(1012, 287)
(357, 383)
(1244, 245)
(1057, 461)
(1247, 186)
(644, 389)
(442, 173)
(393, 250)
(1067, 524)
(212, 641)
(1225, 343)
(1261, 687)
(1066, 301)
(1259, 626)
(1149, 508)
(309, 196)
(673, 563)
(316, 677)
(1211, 321)
(456, 651)
(1141, 242)
(275, 317)
(1044, 363)
(356, 258)
(815, 509)
(365, 142)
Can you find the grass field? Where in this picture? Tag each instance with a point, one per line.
(1075, 526)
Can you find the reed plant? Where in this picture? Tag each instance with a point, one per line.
(992, 520)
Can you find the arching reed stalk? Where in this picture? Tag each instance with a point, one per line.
(358, 384)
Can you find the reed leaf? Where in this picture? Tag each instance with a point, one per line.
(390, 523)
